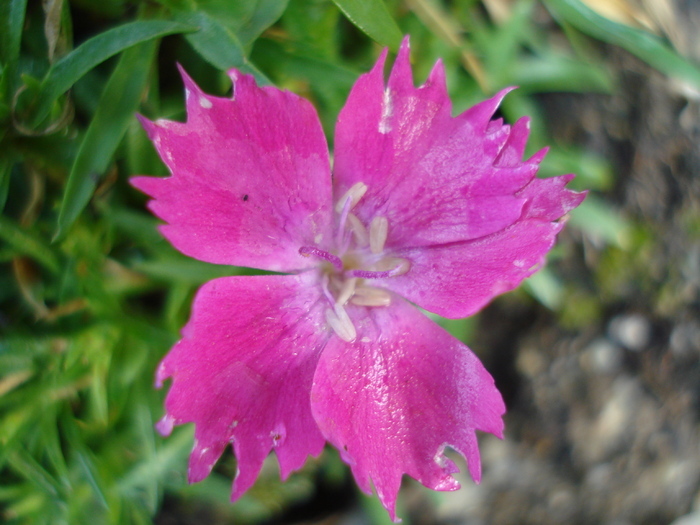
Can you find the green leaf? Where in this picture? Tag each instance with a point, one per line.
(558, 73)
(218, 45)
(73, 66)
(6, 165)
(156, 467)
(246, 19)
(26, 242)
(119, 101)
(313, 27)
(184, 269)
(601, 222)
(89, 470)
(644, 45)
(373, 18)
(266, 13)
(11, 25)
(546, 288)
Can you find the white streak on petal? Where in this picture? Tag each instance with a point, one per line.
(387, 111)
(205, 102)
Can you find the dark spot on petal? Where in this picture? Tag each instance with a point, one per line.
(245, 197)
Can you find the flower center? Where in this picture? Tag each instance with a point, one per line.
(361, 258)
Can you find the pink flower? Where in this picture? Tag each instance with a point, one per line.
(420, 207)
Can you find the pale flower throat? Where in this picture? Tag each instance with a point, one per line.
(346, 277)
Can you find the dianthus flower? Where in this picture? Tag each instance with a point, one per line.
(419, 207)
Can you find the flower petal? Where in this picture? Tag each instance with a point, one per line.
(437, 179)
(392, 400)
(457, 280)
(250, 177)
(242, 373)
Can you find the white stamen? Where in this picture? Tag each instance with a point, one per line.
(378, 230)
(346, 291)
(355, 193)
(341, 324)
(387, 111)
(371, 296)
(205, 103)
(359, 230)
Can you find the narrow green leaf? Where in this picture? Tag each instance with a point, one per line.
(73, 66)
(558, 73)
(27, 466)
(119, 101)
(184, 269)
(266, 13)
(89, 470)
(11, 24)
(247, 19)
(155, 467)
(214, 42)
(6, 165)
(373, 18)
(601, 222)
(218, 45)
(644, 45)
(24, 241)
(546, 287)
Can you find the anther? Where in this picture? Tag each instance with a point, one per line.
(354, 194)
(371, 296)
(401, 266)
(346, 291)
(341, 324)
(358, 230)
(378, 230)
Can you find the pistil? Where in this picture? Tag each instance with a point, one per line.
(308, 251)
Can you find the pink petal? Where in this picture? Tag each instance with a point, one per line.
(437, 179)
(457, 280)
(250, 177)
(242, 373)
(396, 397)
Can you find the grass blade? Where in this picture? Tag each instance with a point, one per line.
(373, 18)
(12, 22)
(644, 45)
(73, 66)
(119, 101)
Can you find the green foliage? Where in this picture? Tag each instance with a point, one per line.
(91, 296)
(646, 46)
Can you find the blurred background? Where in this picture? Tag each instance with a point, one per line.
(597, 355)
